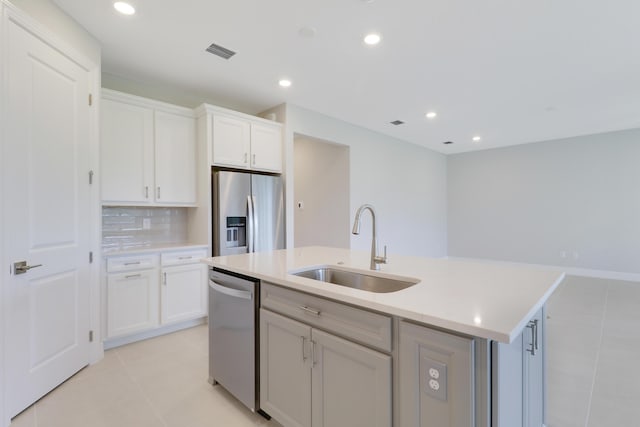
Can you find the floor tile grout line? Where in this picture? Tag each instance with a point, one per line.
(140, 389)
(599, 347)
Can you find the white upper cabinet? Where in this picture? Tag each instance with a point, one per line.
(245, 142)
(231, 141)
(175, 158)
(147, 152)
(266, 147)
(126, 152)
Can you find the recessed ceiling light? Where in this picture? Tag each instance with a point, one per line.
(372, 39)
(476, 138)
(307, 32)
(431, 115)
(124, 8)
(284, 83)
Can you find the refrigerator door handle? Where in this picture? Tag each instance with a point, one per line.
(255, 225)
(250, 229)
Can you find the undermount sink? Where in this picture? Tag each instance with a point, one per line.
(352, 279)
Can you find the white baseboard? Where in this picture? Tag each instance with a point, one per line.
(570, 271)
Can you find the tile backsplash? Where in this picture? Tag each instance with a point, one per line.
(141, 227)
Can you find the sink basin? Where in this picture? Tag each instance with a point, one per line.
(356, 280)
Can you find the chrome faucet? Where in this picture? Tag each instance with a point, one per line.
(375, 259)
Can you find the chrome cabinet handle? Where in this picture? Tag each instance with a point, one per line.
(21, 267)
(245, 157)
(164, 280)
(254, 159)
(132, 263)
(304, 357)
(158, 192)
(146, 192)
(131, 276)
(185, 257)
(310, 310)
(313, 353)
(533, 326)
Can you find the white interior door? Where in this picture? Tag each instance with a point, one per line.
(47, 217)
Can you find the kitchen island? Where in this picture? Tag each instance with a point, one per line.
(463, 346)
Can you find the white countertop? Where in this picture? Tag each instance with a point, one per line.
(152, 248)
(479, 298)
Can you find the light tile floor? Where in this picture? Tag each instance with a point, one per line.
(593, 342)
(161, 382)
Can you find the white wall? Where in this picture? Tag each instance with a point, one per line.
(404, 182)
(532, 203)
(321, 184)
(62, 25)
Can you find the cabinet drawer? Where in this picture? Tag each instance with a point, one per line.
(182, 257)
(359, 325)
(133, 262)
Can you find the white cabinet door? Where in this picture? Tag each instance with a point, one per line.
(183, 292)
(231, 141)
(175, 158)
(266, 147)
(126, 152)
(351, 384)
(132, 302)
(285, 369)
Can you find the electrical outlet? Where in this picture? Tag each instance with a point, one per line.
(434, 378)
(146, 223)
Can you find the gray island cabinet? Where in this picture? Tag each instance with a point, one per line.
(324, 363)
(462, 347)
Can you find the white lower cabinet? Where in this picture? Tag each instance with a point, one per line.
(132, 299)
(147, 291)
(309, 377)
(182, 294)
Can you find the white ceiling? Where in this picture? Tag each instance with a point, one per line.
(511, 71)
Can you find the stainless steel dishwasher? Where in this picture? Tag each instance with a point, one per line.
(233, 336)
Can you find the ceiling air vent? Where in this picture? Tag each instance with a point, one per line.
(397, 122)
(220, 51)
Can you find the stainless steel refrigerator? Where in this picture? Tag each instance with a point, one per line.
(248, 212)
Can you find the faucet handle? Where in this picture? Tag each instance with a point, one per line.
(381, 259)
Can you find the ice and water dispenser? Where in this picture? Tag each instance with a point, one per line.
(236, 231)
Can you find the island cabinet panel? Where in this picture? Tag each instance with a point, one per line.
(312, 377)
(285, 369)
(436, 378)
(351, 384)
(519, 378)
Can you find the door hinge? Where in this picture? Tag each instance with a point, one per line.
(90, 336)
(90, 100)
(90, 257)
(90, 177)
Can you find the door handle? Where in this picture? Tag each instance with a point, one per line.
(21, 267)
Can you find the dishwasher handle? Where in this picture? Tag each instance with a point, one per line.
(229, 291)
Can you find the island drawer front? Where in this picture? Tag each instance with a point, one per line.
(131, 262)
(182, 257)
(368, 328)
